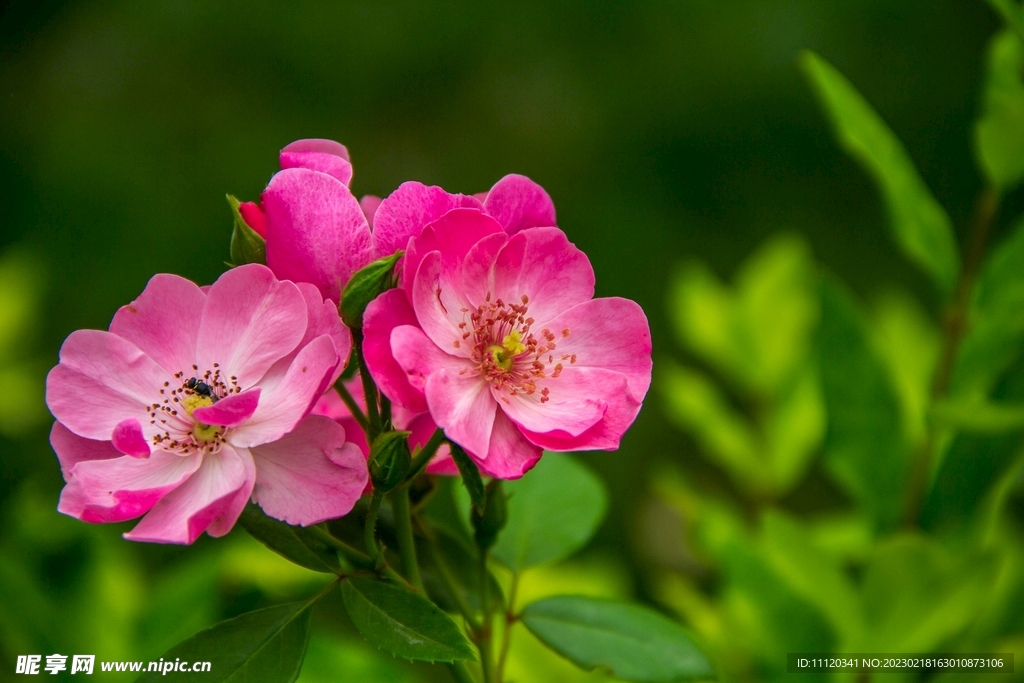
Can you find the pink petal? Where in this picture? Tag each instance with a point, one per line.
(211, 492)
(291, 399)
(101, 380)
(388, 311)
(225, 521)
(543, 265)
(316, 231)
(453, 235)
(253, 216)
(610, 333)
(369, 204)
(576, 400)
(231, 410)
(129, 439)
(510, 455)
(519, 203)
(309, 475)
(422, 427)
(605, 435)
(406, 211)
(419, 357)
(326, 156)
(462, 405)
(164, 321)
(72, 449)
(116, 489)
(477, 280)
(251, 320)
(330, 405)
(441, 308)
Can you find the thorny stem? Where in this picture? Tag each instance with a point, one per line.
(445, 577)
(428, 451)
(369, 388)
(357, 558)
(510, 619)
(406, 544)
(954, 328)
(484, 633)
(370, 530)
(351, 404)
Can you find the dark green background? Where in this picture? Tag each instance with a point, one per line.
(662, 130)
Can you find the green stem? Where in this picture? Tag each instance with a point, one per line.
(350, 402)
(460, 673)
(369, 388)
(370, 530)
(449, 583)
(954, 329)
(484, 633)
(348, 552)
(426, 454)
(510, 619)
(406, 544)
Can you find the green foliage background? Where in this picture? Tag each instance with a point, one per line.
(758, 497)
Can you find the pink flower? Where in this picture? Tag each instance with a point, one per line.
(317, 232)
(196, 400)
(499, 336)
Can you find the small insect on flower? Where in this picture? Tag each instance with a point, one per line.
(201, 388)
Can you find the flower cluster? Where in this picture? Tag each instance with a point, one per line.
(198, 399)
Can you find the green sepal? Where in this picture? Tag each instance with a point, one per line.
(293, 543)
(366, 285)
(246, 244)
(470, 475)
(489, 520)
(390, 460)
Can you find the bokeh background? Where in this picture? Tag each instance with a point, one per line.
(676, 139)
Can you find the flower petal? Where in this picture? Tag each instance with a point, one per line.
(419, 357)
(422, 427)
(605, 435)
(462, 405)
(453, 234)
(542, 264)
(405, 212)
(576, 400)
(510, 455)
(164, 321)
(129, 439)
(284, 405)
(316, 231)
(518, 203)
(211, 492)
(253, 216)
(102, 379)
(72, 449)
(231, 410)
(251, 319)
(309, 475)
(225, 521)
(369, 204)
(330, 405)
(326, 156)
(441, 308)
(610, 333)
(388, 311)
(116, 489)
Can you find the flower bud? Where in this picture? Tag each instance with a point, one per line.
(390, 460)
(487, 524)
(246, 244)
(365, 286)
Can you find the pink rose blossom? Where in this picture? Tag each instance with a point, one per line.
(317, 232)
(197, 400)
(499, 336)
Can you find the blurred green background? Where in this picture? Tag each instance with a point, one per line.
(676, 139)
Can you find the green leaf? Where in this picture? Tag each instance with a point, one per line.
(246, 244)
(864, 446)
(290, 542)
(919, 224)
(995, 336)
(1011, 12)
(979, 416)
(462, 564)
(262, 646)
(470, 475)
(552, 512)
(917, 595)
(402, 623)
(631, 642)
(999, 133)
(365, 286)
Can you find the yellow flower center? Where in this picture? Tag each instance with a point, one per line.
(511, 346)
(201, 432)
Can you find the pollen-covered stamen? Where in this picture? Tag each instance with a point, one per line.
(508, 354)
(181, 432)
